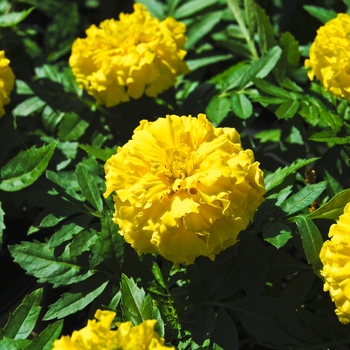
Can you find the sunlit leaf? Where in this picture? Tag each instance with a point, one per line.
(241, 105)
(277, 234)
(13, 18)
(217, 109)
(25, 168)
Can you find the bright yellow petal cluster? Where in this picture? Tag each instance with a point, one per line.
(7, 80)
(97, 335)
(183, 188)
(330, 56)
(335, 257)
(128, 58)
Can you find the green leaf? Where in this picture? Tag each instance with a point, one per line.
(262, 67)
(233, 5)
(290, 56)
(25, 168)
(100, 153)
(13, 18)
(241, 105)
(12, 344)
(277, 234)
(333, 208)
(206, 61)
(273, 90)
(303, 198)
(199, 28)
(156, 8)
(88, 186)
(137, 306)
(45, 340)
(22, 321)
(287, 110)
(277, 177)
(70, 303)
(111, 242)
(333, 120)
(28, 106)
(72, 127)
(320, 13)
(266, 33)
(39, 260)
(83, 242)
(329, 136)
(225, 332)
(190, 8)
(312, 242)
(2, 224)
(217, 109)
(249, 7)
(272, 135)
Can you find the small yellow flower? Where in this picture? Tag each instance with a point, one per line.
(7, 80)
(97, 335)
(335, 257)
(330, 56)
(128, 58)
(183, 188)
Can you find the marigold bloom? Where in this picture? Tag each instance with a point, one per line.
(183, 188)
(330, 56)
(137, 54)
(7, 80)
(335, 257)
(99, 336)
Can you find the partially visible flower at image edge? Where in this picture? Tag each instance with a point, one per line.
(183, 188)
(335, 257)
(136, 55)
(7, 80)
(329, 58)
(97, 335)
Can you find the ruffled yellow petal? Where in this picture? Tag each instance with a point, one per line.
(125, 59)
(329, 55)
(7, 80)
(97, 335)
(183, 188)
(335, 257)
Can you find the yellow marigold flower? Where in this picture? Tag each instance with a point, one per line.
(7, 80)
(335, 257)
(330, 56)
(97, 335)
(183, 188)
(137, 54)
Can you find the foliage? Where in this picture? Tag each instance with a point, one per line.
(246, 61)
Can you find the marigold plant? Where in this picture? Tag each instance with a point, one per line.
(98, 335)
(329, 56)
(335, 256)
(128, 58)
(7, 80)
(183, 188)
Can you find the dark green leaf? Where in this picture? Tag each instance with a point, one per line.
(25, 168)
(241, 105)
(137, 306)
(83, 242)
(225, 333)
(303, 198)
(277, 177)
(89, 187)
(333, 120)
(277, 234)
(333, 208)
(100, 153)
(329, 136)
(22, 321)
(70, 303)
(12, 344)
(190, 8)
(262, 67)
(217, 109)
(320, 13)
(39, 260)
(273, 90)
(265, 30)
(72, 127)
(206, 61)
(287, 110)
(2, 224)
(312, 242)
(44, 340)
(199, 28)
